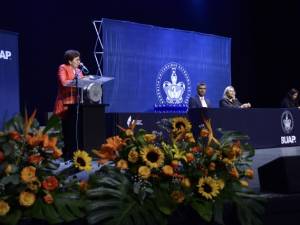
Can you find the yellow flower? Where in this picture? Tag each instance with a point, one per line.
(221, 183)
(178, 153)
(190, 157)
(208, 187)
(28, 174)
(177, 196)
(4, 208)
(150, 138)
(244, 183)
(26, 198)
(186, 182)
(181, 125)
(152, 156)
(133, 156)
(144, 172)
(122, 164)
(9, 169)
(82, 160)
(190, 138)
(129, 133)
(168, 170)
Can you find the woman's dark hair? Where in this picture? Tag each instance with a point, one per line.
(292, 92)
(70, 55)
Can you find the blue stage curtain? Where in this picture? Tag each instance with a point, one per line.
(135, 54)
(9, 76)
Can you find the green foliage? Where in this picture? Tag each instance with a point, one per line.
(113, 202)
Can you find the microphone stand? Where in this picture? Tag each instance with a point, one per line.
(77, 108)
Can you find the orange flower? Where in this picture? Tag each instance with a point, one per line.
(49, 142)
(50, 183)
(4, 208)
(190, 157)
(144, 172)
(249, 173)
(116, 142)
(35, 159)
(175, 163)
(83, 185)
(2, 157)
(236, 148)
(106, 153)
(204, 132)
(26, 198)
(109, 150)
(209, 151)
(133, 156)
(212, 166)
(177, 196)
(196, 149)
(48, 199)
(234, 173)
(36, 139)
(15, 136)
(57, 152)
(28, 174)
(122, 164)
(168, 170)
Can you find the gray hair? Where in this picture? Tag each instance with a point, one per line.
(226, 90)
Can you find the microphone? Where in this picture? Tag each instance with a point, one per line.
(83, 69)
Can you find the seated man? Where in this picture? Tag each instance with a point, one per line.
(230, 101)
(199, 100)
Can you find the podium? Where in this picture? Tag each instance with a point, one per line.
(91, 90)
(91, 128)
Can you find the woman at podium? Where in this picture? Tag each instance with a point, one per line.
(66, 73)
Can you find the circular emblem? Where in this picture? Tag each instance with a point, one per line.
(287, 122)
(173, 85)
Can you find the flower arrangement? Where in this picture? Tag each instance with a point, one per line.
(29, 186)
(153, 174)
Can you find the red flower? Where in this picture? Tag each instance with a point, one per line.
(50, 183)
(48, 198)
(15, 136)
(2, 157)
(35, 159)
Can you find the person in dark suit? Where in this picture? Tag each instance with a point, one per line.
(230, 101)
(199, 100)
(291, 100)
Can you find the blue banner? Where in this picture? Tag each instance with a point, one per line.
(154, 65)
(9, 76)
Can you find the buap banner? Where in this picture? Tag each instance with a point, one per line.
(153, 65)
(9, 76)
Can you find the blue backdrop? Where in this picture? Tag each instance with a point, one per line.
(9, 76)
(154, 65)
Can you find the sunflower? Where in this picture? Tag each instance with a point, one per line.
(82, 160)
(181, 125)
(152, 156)
(208, 187)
